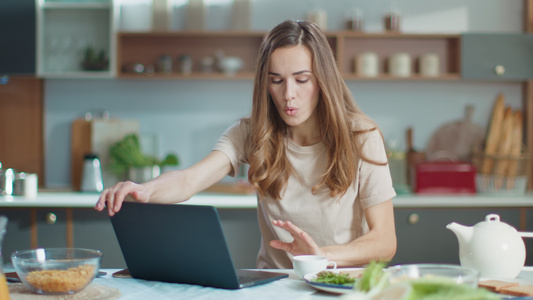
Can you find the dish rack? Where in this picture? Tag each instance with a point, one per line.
(502, 174)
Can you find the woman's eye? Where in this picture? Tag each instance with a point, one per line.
(278, 81)
(302, 80)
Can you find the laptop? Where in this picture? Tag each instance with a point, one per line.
(180, 243)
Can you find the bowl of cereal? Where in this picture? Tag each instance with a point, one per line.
(57, 270)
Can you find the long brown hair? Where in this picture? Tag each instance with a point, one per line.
(269, 167)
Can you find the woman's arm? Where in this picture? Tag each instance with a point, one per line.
(169, 187)
(379, 243)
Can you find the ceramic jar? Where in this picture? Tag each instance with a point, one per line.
(400, 65)
(429, 65)
(367, 64)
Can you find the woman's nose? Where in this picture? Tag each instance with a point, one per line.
(289, 91)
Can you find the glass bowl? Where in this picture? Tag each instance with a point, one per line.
(452, 273)
(57, 270)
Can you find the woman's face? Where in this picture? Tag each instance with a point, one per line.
(293, 86)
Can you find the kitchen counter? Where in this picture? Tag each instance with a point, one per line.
(230, 201)
(88, 200)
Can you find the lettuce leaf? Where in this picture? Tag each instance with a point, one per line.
(372, 277)
(438, 288)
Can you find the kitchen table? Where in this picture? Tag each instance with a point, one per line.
(135, 289)
(287, 288)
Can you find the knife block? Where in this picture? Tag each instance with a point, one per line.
(96, 136)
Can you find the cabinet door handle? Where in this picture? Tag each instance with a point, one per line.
(499, 70)
(413, 218)
(50, 218)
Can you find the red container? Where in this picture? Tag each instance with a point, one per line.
(444, 177)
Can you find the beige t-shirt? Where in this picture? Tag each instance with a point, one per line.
(329, 221)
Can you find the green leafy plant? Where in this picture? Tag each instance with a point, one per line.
(171, 160)
(127, 153)
(93, 61)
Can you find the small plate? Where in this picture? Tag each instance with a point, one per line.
(328, 287)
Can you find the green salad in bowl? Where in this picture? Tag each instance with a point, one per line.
(418, 282)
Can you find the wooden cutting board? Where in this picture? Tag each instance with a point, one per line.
(454, 141)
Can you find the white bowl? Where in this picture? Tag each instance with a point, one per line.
(230, 65)
(455, 273)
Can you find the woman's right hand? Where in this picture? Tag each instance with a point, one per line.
(114, 196)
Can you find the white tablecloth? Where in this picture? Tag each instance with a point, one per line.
(286, 288)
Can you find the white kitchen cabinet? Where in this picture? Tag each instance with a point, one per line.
(66, 28)
(491, 56)
(29, 228)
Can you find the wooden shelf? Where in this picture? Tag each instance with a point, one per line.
(446, 46)
(193, 76)
(415, 77)
(192, 33)
(391, 35)
(146, 47)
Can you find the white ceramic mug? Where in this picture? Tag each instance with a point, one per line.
(367, 64)
(400, 65)
(305, 264)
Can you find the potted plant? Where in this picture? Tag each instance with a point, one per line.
(127, 161)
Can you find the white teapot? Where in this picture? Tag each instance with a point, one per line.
(494, 248)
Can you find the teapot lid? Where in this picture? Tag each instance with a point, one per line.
(492, 221)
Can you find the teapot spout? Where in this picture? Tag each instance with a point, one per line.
(463, 233)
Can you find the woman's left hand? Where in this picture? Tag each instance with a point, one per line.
(302, 243)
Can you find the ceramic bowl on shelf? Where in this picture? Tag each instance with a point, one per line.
(57, 270)
(441, 272)
(230, 65)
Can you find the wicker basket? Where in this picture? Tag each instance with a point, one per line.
(502, 175)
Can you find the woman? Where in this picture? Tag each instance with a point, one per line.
(317, 162)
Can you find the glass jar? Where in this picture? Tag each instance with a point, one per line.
(354, 20)
(392, 21)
